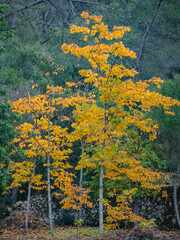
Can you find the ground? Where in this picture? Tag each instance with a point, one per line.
(84, 233)
(12, 228)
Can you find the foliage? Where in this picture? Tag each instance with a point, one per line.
(32, 56)
(7, 134)
(44, 138)
(120, 109)
(4, 34)
(167, 144)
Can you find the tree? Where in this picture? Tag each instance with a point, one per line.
(7, 134)
(44, 138)
(4, 34)
(168, 141)
(24, 172)
(119, 106)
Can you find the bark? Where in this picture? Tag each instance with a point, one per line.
(135, 209)
(80, 184)
(175, 202)
(86, 2)
(14, 195)
(101, 182)
(49, 181)
(27, 207)
(81, 179)
(28, 200)
(100, 199)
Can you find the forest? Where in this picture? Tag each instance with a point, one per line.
(89, 119)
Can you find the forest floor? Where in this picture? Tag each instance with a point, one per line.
(84, 233)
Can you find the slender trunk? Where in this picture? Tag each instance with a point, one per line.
(81, 179)
(101, 181)
(48, 180)
(80, 184)
(175, 203)
(14, 195)
(27, 207)
(28, 200)
(135, 208)
(100, 199)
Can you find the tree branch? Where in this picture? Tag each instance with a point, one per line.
(79, 1)
(145, 37)
(26, 7)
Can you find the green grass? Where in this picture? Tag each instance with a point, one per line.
(71, 233)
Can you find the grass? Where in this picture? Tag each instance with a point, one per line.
(60, 233)
(71, 233)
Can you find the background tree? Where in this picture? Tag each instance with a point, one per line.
(7, 134)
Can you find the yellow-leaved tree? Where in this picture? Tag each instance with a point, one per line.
(42, 137)
(120, 106)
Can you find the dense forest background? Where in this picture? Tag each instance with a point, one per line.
(32, 33)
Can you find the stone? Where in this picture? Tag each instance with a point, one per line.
(173, 220)
(18, 204)
(149, 209)
(16, 219)
(23, 206)
(160, 207)
(46, 220)
(143, 208)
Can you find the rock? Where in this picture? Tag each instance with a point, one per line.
(143, 208)
(9, 209)
(46, 220)
(160, 207)
(18, 204)
(149, 209)
(23, 206)
(173, 220)
(138, 234)
(17, 219)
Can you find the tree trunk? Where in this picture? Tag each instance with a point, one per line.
(80, 184)
(14, 195)
(81, 179)
(175, 202)
(49, 181)
(135, 209)
(27, 207)
(100, 199)
(28, 200)
(101, 181)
